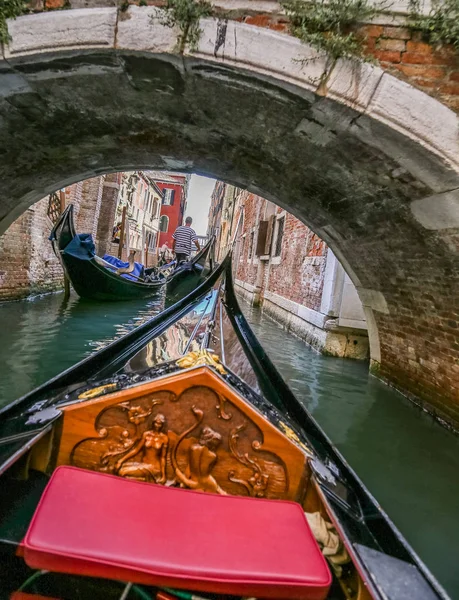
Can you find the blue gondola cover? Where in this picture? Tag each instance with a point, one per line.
(119, 264)
(82, 247)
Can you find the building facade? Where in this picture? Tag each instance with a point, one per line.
(174, 187)
(142, 198)
(282, 266)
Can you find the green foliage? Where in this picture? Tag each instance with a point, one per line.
(9, 9)
(185, 14)
(327, 25)
(441, 25)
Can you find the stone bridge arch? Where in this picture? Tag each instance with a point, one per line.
(372, 165)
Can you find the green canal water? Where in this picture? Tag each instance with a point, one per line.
(408, 462)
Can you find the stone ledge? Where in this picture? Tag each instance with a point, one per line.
(437, 212)
(416, 115)
(373, 299)
(141, 29)
(303, 312)
(332, 343)
(363, 88)
(62, 30)
(246, 286)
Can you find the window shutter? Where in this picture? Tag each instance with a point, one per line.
(269, 234)
(261, 240)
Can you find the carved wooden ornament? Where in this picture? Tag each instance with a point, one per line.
(190, 430)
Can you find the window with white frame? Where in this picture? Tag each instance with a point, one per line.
(169, 196)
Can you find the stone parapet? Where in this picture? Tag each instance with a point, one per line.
(390, 40)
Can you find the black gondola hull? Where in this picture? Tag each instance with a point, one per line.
(93, 281)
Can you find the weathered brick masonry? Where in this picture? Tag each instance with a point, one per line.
(27, 262)
(281, 265)
(299, 274)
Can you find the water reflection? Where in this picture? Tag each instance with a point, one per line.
(409, 462)
(175, 342)
(42, 337)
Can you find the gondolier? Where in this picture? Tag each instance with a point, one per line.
(183, 237)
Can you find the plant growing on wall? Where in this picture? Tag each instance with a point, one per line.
(185, 14)
(9, 9)
(441, 25)
(329, 26)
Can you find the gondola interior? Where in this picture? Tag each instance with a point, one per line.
(169, 470)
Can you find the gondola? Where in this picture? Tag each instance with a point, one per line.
(176, 463)
(108, 279)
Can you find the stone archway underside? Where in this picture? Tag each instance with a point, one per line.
(384, 200)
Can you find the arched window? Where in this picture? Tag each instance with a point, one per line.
(163, 223)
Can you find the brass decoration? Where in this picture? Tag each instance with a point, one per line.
(288, 431)
(202, 457)
(97, 391)
(199, 358)
(257, 484)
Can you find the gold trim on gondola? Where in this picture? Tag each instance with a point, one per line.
(201, 358)
(97, 391)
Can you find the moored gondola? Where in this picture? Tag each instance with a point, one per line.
(107, 278)
(178, 459)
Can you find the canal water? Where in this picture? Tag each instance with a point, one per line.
(408, 461)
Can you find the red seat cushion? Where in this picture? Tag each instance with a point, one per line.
(26, 596)
(100, 525)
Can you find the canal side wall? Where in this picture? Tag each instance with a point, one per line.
(282, 266)
(28, 265)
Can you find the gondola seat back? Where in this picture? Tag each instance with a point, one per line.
(100, 525)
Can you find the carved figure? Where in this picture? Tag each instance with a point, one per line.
(152, 448)
(202, 457)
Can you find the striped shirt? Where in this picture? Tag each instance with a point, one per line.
(183, 237)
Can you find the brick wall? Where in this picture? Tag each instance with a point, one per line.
(299, 276)
(27, 262)
(247, 268)
(88, 209)
(303, 254)
(110, 190)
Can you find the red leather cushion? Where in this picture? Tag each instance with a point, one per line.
(26, 596)
(105, 526)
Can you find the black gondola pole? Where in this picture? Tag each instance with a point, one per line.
(123, 225)
(66, 279)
